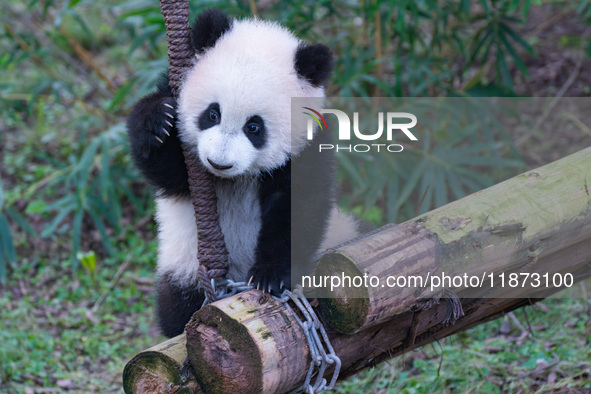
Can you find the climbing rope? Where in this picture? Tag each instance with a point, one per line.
(211, 253)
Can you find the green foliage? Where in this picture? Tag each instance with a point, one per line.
(82, 173)
(76, 168)
(463, 148)
(97, 179)
(496, 32)
(482, 360)
(52, 338)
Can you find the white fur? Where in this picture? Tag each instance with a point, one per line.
(341, 227)
(177, 240)
(250, 71)
(239, 215)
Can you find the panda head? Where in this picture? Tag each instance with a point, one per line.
(234, 106)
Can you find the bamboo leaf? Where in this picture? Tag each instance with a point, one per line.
(22, 222)
(57, 220)
(6, 242)
(514, 55)
(1, 196)
(503, 68)
(411, 182)
(517, 38)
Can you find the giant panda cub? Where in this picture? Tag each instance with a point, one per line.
(234, 112)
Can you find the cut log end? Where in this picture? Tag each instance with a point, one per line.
(345, 308)
(151, 372)
(224, 356)
(161, 369)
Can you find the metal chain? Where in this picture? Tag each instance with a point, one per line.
(224, 288)
(321, 350)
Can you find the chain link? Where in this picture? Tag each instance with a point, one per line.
(321, 350)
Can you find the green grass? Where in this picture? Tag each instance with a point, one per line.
(483, 360)
(51, 336)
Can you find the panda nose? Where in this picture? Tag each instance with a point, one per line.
(220, 167)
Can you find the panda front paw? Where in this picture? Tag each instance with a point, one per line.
(269, 280)
(162, 126)
(151, 124)
(166, 126)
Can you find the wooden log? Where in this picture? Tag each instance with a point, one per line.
(537, 222)
(161, 369)
(248, 343)
(251, 343)
(272, 356)
(406, 249)
(269, 353)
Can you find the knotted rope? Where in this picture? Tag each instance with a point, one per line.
(211, 253)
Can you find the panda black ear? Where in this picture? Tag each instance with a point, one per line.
(209, 26)
(314, 63)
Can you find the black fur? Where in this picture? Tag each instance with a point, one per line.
(160, 159)
(311, 178)
(273, 252)
(314, 63)
(208, 118)
(175, 306)
(161, 163)
(313, 183)
(209, 26)
(259, 137)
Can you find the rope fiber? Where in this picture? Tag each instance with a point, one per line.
(211, 253)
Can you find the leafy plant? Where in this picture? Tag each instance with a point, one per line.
(496, 34)
(97, 60)
(463, 148)
(7, 250)
(96, 181)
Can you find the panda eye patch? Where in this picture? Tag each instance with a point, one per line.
(255, 131)
(210, 117)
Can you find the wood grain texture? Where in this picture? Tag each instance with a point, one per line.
(537, 222)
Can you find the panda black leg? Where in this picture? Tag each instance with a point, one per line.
(271, 271)
(175, 306)
(155, 145)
